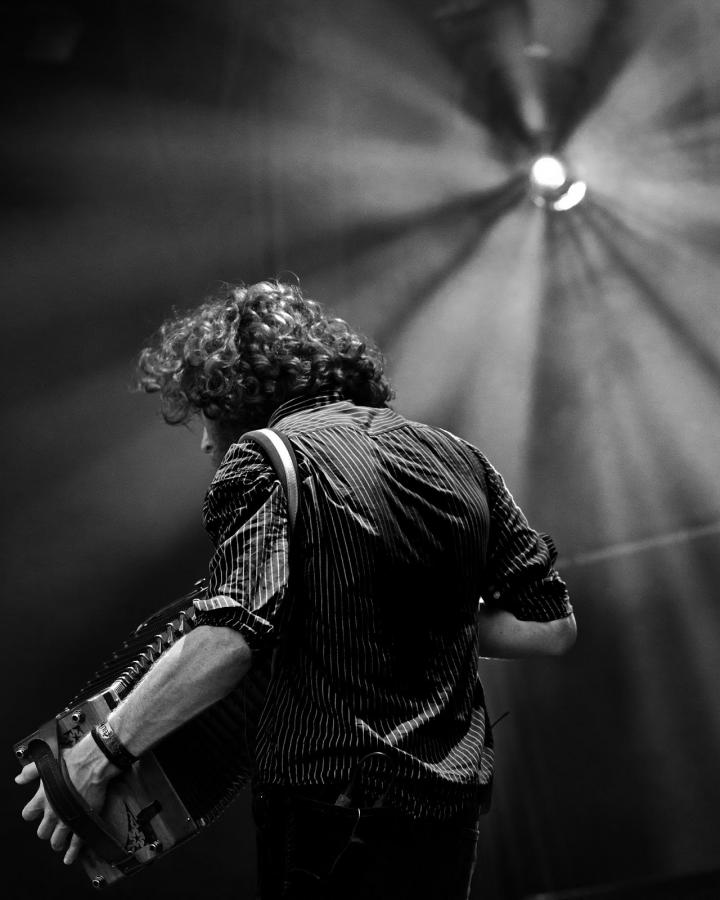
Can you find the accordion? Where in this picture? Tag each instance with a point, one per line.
(163, 799)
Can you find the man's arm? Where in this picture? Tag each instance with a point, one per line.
(527, 610)
(504, 636)
(244, 501)
(197, 671)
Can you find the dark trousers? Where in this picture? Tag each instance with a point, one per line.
(310, 849)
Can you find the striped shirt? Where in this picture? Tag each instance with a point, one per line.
(401, 529)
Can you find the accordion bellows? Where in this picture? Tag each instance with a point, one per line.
(190, 777)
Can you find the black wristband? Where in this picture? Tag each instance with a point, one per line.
(109, 743)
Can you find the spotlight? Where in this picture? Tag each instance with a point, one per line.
(551, 185)
(548, 173)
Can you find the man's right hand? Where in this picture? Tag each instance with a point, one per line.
(90, 772)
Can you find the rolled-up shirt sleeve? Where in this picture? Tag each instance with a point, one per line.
(521, 576)
(245, 514)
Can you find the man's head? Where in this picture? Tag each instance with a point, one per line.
(246, 350)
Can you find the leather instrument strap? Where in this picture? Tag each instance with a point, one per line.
(281, 455)
(70, 806)
(279, 452)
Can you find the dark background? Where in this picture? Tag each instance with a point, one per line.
(380, 151)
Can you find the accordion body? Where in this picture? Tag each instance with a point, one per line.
(165, 798)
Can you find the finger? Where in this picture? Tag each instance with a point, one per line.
(73, 851)
(60, 837)
(47, 826)
(29, 773)
(36, 807)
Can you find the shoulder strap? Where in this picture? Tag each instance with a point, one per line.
(279, 452)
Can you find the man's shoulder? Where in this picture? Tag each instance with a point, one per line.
(445, 437)
(336, 415)
(244, 462)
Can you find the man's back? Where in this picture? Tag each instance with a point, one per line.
(385, 580)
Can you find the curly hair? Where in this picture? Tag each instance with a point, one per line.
(246, 350)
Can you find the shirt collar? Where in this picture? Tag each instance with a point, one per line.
(302, 404)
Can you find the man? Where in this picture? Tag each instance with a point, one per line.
(374, 755)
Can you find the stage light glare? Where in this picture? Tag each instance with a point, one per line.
(548, 172)
(572, 196)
